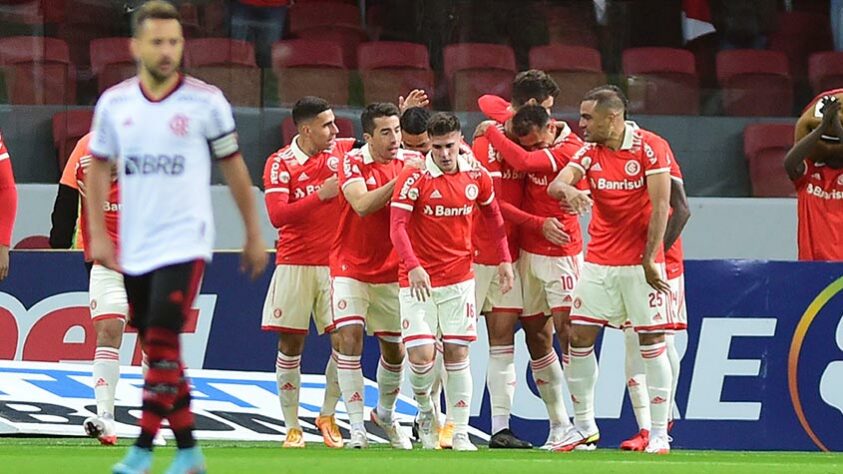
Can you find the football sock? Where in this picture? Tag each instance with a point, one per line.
(458, 389)
(636, 380)
(500, 380)
(106, 374)
(350, 376)
(389, 378)
(659, 384)
(288, 376)
(582, 378)
(332, 388)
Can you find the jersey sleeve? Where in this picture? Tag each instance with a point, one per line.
(349, 172)
(220, 131)
(582, 159)
(675, 171)
(539, 161)
(486, 191)
(8, 196)
(69, 176)
(656, 156)
(276, 176)
(344, 145)
(406, 190)
(103, 144)
(484, 154)
(494, 107)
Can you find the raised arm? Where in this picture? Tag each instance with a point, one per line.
(539, 161)
(365, 202)
(794, 162)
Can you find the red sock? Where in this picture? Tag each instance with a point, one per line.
(161, 385)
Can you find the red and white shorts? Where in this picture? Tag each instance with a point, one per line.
(679, 313)
(548, 282)
(374, 305)
(296, 292)
(107, 294)
(609, 295)
(487, 289)
(448, 313)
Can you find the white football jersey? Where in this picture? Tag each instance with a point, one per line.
(164, 150)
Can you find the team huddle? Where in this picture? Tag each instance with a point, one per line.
(409, 235)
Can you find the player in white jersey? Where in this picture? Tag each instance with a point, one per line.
(163, 130)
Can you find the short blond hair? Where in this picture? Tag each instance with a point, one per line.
(154, 10)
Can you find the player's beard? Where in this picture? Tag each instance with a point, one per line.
(159, 76)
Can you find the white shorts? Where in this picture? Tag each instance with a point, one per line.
(372, 305)
(449, 313)
(107, 295)
(548, 282)
(296, 292)
(609, 295)
(679, 313)
(487, 289)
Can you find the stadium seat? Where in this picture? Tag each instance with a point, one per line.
(577, 69)
(288, 129)
(825, 71)
(37, 70)
(309, 21)
(662, 81)
(755, 83)
(475, 69)
(798, 35)
(68, 128)
(765, 146)
(33, 242)
(392, 68)
(571, 23)
(310, 67)
(228, 64)
(111, 61)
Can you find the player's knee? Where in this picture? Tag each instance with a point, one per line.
(421, 355)
(291, 344)
(392, 353)
(109, 333)
(646, 339)
(582, 336)
(350, 339)
(455, 353)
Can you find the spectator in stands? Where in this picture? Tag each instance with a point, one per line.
(744, 23)
(259, 21)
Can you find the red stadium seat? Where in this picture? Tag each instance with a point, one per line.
(68, 128)
(798, 35)
(755, 83)
(475, 69)
(33, 242)
(825, 71)
(577, 69)
(348, 38)
(228, 64)
(765, 146)
(309, 21)
(662, 81)
(310, 67)
(571, 24)
(288, 129)
(392, 68)
(111, 61)
(37, 70)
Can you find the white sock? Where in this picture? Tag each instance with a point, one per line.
(582, 377)
(288, 376)
(389, 386)
(566, 359)
(106, 374)
(458, 389)
(500, 380)
(144, 364)
(350, 376)
(636, 380)
(421, 378)
(658, 385)
(675, 363)
(440, 376)
(548, 375)
(332, 387)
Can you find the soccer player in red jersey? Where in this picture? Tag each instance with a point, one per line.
(623, 276)
(636, 380)
(503, 312)
(364, 271)
(819, 184)
(300, 185)
(8, 208)
(431, 231)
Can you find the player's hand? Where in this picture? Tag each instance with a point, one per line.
(102, 251)
(563, 204)
(831, 116)
(505, 277)
(414, 162)
(254, 259)
(482, 127)
(329, 189)
(654, 277)
(419, 283)
(579, 200)
(4, 262)
(554, 232)
(416, 98)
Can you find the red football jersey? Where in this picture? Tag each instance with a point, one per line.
(291, 176)
(622, 208)
(819, 195)
(361, 248)
(8, 196)
(511, 190)
(111, 206)
(674, 258)
(442, 207)
(538, 202)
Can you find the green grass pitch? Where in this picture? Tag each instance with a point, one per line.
(78, 456)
